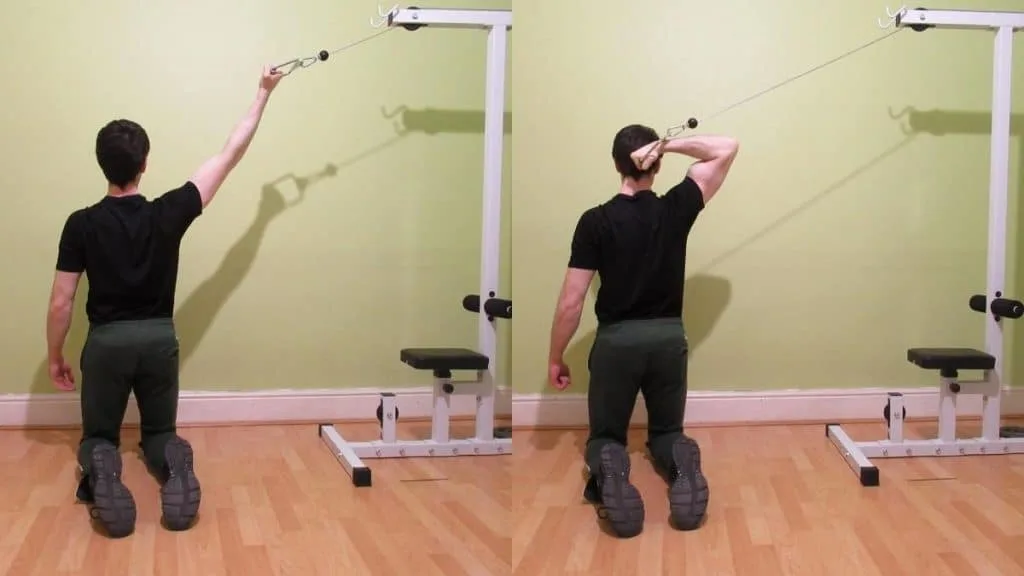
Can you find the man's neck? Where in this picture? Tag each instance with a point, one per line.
(129, 190)
(630, 186)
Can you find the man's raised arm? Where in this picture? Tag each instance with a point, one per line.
(714, 155)
(211, 175)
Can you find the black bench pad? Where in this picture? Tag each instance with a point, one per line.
(951, 359)
(444, 359)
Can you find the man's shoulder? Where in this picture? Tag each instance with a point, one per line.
(686, 186)
(79, 215)
(596, 211)
(592, 216)
(186, 188)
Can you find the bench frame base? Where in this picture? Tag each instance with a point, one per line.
(441, 444)
(858, 454)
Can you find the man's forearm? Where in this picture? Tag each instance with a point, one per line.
(58, 322)
(567, 320)
(243, 133)
(703, 148)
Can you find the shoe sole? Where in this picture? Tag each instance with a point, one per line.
(181, 494)
(621, 501)
(113, 505)
(688, 497)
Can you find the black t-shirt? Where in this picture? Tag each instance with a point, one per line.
(128, 249)
(637, 245)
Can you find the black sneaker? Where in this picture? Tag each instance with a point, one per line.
(620, 501)
(180, 494)
(689, 493)
(112, 504)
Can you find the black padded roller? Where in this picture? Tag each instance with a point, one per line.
(1006, 308)
(977, 303)
(1001, 307)
(498, 307)
(471, 303)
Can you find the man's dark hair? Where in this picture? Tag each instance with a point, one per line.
(629, 140)
(121, 150)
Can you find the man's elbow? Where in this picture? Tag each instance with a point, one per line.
(570, 307)
(731, 147)
(60, 305)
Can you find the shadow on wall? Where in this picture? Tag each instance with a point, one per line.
(944, 122)
(437, 121)
(195, 315)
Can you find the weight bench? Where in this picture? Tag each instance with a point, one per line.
(441, 362)
(948, 362)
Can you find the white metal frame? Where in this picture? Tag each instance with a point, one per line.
(858, 454)
(444, 18)
(497, 23)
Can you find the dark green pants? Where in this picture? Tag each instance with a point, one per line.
(637, 356)
(124, 357)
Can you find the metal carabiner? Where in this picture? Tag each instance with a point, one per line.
(295, 64)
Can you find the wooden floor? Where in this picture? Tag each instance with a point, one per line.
(276, 502)
(782, 502)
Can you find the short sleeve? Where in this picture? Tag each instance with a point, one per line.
(586, 245)
(180, 207)
(71, 248)
(688, 200)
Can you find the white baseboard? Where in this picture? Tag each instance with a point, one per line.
(270, 406)
(782, 406)
(526, 410)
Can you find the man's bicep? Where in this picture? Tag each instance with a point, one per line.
(209, 177)
(710, 175)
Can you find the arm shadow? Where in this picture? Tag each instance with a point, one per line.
(195, 316)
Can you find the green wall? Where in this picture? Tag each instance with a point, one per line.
(838, 241)
(320, 293)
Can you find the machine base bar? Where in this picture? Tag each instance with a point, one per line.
(350, 461)
(858, 454)
(351, 454)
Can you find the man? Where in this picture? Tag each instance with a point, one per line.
(636, 243)
(128, 246)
